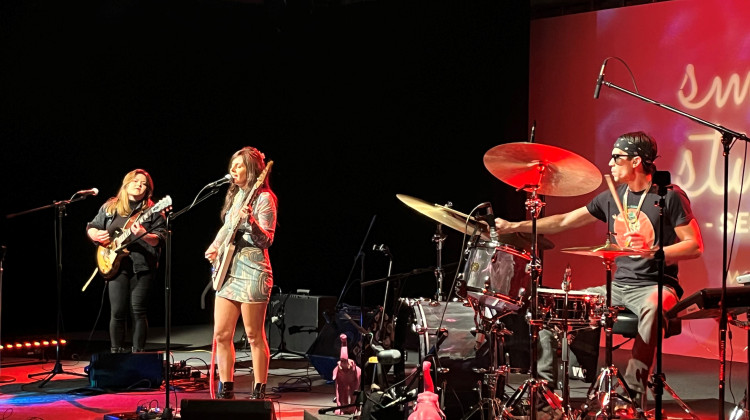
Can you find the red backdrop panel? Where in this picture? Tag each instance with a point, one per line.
(691, 55)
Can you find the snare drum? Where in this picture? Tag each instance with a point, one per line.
(498, 270)
(582, 306)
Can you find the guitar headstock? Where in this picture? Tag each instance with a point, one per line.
(163, 204)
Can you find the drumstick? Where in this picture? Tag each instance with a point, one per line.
(619, 205)
(617, 199)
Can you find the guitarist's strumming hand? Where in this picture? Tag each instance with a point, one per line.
(211, 253)
(99, 235)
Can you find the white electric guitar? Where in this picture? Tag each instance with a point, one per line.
(225, 252)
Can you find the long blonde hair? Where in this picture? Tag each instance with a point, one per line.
(121, 203)
(254, 161)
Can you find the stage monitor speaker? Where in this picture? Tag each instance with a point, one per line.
(126, 371)
(195, 409)
(303, 318)
(325, 351)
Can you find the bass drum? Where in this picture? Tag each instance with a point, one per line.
(460, 353)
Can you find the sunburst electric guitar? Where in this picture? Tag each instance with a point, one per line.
(225, 252)
(108, 257)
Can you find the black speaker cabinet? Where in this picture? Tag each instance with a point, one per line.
(124, 371)
(194, 409)
(302, 317)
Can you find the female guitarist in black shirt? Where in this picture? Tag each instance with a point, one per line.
(131, 219)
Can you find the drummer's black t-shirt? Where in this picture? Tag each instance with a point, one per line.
(677, 212)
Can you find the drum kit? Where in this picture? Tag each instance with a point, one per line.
(501, 274)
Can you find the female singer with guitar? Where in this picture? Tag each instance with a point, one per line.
(129, 216)
(244, 288)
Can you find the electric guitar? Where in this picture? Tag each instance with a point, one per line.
(108, 257)
(225, 252)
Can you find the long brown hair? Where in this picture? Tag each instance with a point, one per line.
(255, 163)
(121, 203)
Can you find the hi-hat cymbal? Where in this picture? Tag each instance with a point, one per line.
(469, 225)
(609, 251)
(547, 169)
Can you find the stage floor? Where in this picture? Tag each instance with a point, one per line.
(295, 387)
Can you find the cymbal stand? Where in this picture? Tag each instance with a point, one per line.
(604, 388)
(536, 388)
(439, 238)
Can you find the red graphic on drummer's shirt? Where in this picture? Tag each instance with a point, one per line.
(639, 223)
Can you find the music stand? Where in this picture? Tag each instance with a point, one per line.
(727, 139)
(59, 213)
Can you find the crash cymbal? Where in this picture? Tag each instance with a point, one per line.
(547, 169)
(458, 221)
(447, 216)
(609, 251)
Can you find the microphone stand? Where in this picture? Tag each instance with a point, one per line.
(3, 378)
(59, 212)
(727, 139)
(658, 376)
(167, 413)
(360, 256)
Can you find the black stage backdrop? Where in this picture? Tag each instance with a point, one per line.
(353, 102)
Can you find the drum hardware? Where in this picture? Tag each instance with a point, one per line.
(540, 170)
(494, 329)
(439, 238)
(604, 390)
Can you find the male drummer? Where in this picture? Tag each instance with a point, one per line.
(634, 283)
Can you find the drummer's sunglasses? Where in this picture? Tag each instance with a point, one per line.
(617, 157)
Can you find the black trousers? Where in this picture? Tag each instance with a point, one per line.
(128, 297)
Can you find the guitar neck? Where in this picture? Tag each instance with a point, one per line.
(126, 233)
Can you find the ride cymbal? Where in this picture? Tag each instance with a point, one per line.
(547, 169)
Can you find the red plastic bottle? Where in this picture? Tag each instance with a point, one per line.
(428, 404)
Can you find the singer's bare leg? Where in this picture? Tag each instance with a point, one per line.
(253, 318)
(226, 313)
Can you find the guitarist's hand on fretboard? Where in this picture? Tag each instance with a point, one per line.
(137, 230)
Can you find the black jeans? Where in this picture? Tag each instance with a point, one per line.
(129, 295)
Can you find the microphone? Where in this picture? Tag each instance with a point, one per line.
(489, 218)
(600, 79)
(566, 279)
(533, 129)
(92, 191)
(226, 178)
